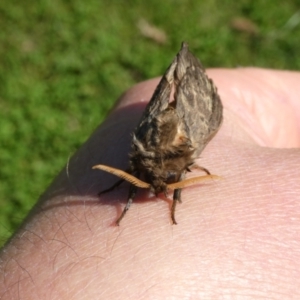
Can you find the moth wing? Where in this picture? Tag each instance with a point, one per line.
(161, 96)
(197, 101)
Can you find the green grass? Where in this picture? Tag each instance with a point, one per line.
(64, 63)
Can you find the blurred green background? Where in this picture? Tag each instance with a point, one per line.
(63, 63)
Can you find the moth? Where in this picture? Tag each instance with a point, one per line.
(183, 115)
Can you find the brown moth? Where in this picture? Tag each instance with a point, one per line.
(172, 132)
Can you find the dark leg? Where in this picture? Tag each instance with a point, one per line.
(112, 187)
(176, 198)
(195, 166)
(129, 171)
(132, 193)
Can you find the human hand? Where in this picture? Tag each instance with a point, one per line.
(235, 238)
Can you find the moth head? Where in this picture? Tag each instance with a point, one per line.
(160, 174)
(158, 186)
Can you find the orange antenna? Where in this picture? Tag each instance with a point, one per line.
(191, 181)
(130, 178)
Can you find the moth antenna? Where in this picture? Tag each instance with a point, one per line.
(191, 181)
(128, 177)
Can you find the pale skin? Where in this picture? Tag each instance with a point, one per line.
(236, 238)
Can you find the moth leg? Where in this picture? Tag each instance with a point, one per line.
(115, 184)
(131, 195)
(195, 166)
(176, 198)
(112, 187)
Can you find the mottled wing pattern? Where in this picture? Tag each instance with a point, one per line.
(197, 101)
(159, 101)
